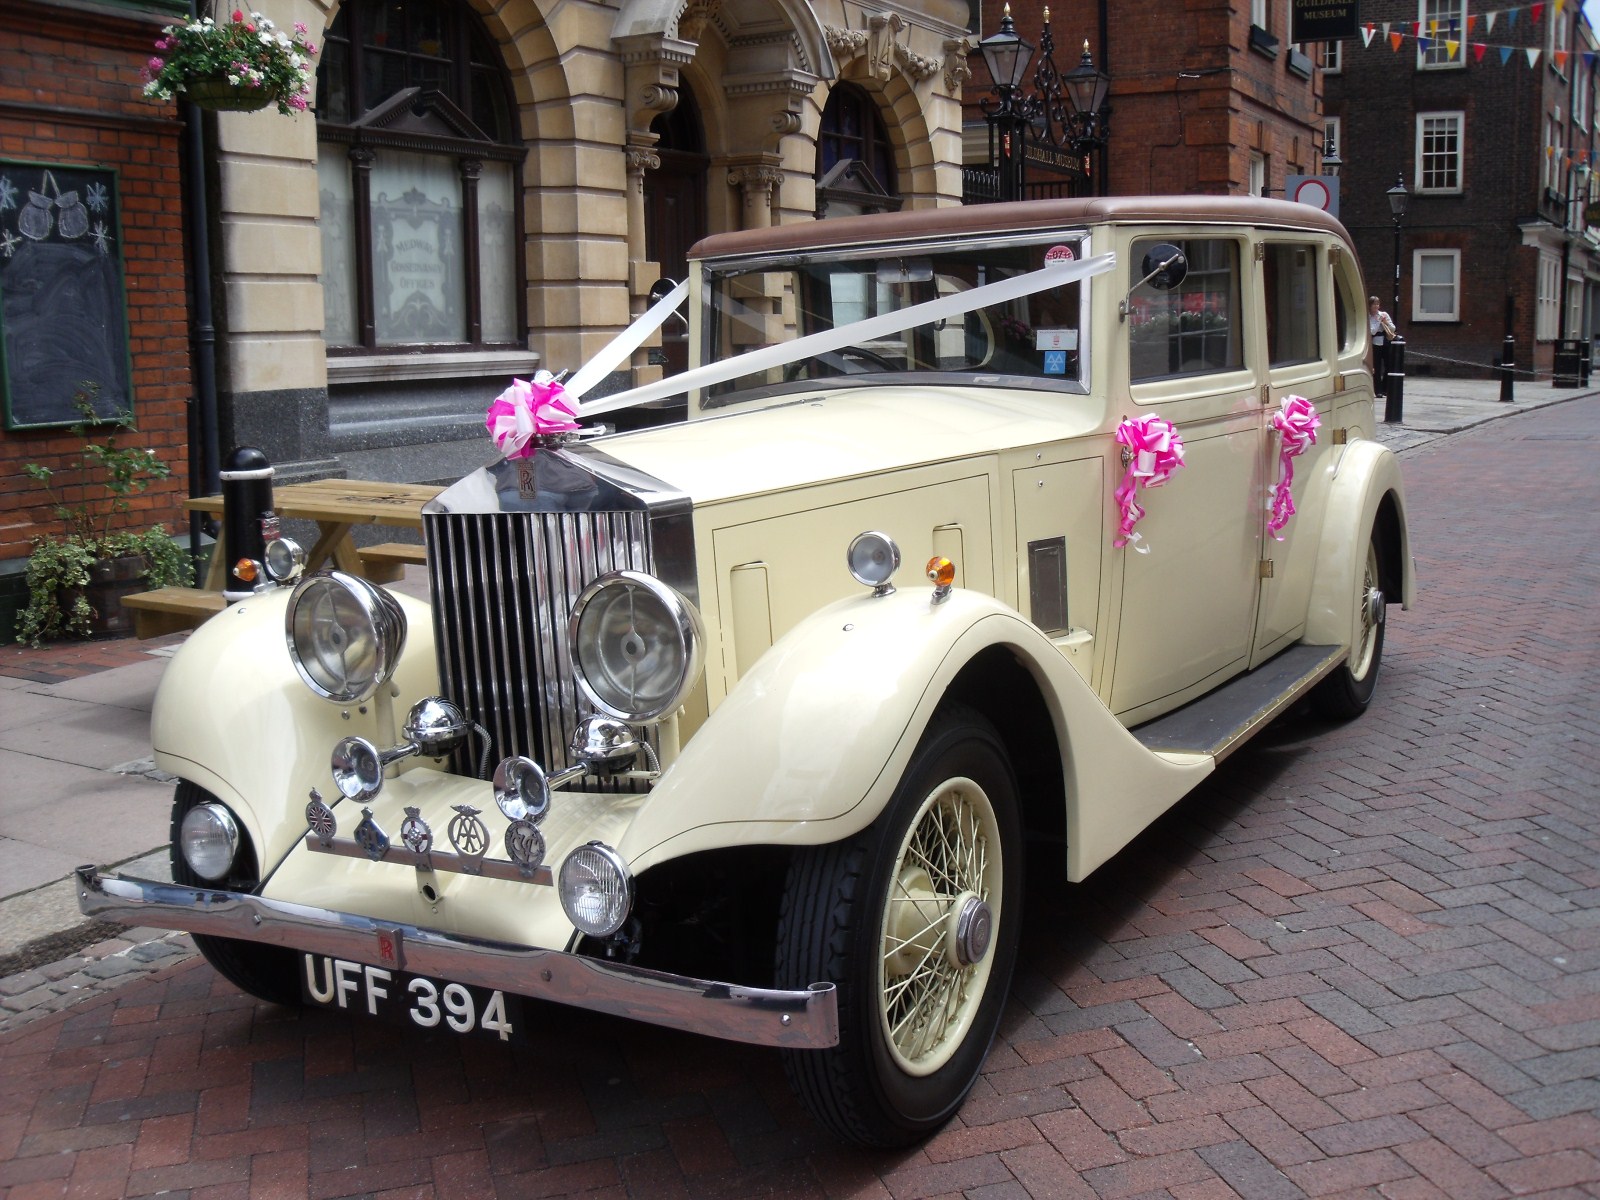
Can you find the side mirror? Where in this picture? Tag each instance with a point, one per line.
(659, 291)
(1164, 268)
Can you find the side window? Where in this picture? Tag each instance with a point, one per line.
(1292, 303)
(1194, 329)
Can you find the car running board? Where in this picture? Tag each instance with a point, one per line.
(1219, 723)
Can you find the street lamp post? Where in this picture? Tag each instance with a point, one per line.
(1066, 114)
(1395, 377)
(1007, 56)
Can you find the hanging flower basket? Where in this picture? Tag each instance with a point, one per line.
(216, 93)
(237, 65)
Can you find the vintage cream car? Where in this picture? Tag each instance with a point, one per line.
(675, 739)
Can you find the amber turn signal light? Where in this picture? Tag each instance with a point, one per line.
(245, 569)
(941, 571)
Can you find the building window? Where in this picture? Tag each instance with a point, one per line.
(1436, 285)
(1443, 23)
(419, 174)
(1547, 323)
(1552, 152)
(1580, 95)
(1332, 137)
(1559, 23)
(1332, 57)
(1257, 185)
(1439, 151)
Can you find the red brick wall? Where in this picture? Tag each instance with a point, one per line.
(1190, 99)
(70, 93)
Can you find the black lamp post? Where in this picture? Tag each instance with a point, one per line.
(1398, 199)
(1395, 375)
(1066, 114)
(1007, 56)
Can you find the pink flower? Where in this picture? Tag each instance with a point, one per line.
(155, 65)
(238, 16)
(297, 103)
(300, 27)
(311, 47)
(526, 411)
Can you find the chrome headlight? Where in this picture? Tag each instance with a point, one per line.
(345, 635)
(637, 646)
(596, 889)
(208, 838)
(285, 560)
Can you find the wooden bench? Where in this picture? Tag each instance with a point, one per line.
(171, 609)
(386, 563)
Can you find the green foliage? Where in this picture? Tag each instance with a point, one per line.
(59, 565)
(248, 51)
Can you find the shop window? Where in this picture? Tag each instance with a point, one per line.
(419, 171)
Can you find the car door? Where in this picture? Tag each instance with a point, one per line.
(1189, 586)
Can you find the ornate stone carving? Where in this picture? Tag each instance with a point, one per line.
(956, 70)
(880, 44)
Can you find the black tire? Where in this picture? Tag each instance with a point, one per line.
(1345, 693)
(269, 973)
(887, 1088)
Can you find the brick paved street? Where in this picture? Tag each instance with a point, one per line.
(1362, 960)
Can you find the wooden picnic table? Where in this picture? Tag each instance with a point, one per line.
(337, 506)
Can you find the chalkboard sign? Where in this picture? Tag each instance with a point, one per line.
(62, 310)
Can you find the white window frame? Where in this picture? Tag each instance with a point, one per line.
(1547, 322)
(1552, 145)
(1332, 58)
(1419, 174)
(1445, 12)
(1574, 304)
(1260, 14)
(1257, 185)
(1580, 94)
(1558, 36)
(1418, 312)
(1332, 136)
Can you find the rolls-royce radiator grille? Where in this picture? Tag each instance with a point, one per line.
(503, 585)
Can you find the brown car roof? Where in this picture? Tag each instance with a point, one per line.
(967, 220)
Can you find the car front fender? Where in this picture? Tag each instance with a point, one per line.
(808, 747)
(233, 716)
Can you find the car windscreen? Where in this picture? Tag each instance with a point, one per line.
(1037, 336)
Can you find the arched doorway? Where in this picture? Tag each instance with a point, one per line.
(675, 208)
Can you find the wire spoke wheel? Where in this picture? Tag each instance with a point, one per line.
(915, 920)
(1369, 617)
(1348, 690)
(941, 906)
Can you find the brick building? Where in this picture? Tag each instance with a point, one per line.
(1492, 129)
(1207, 96)
(91, 255)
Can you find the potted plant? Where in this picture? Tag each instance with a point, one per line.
(77, 579)
(238, 65)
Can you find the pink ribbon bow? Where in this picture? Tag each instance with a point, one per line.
(529, 410)
(1155, 451)
(1297, 423)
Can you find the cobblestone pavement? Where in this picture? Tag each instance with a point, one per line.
(1360, 960)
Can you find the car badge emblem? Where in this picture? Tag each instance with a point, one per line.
(525, 846)
(320, 819)
(391, 949)
(371, 838)
(470, 837)
(414, 832)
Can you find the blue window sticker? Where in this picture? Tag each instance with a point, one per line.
(1055, 362)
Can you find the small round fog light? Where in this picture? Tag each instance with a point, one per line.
(596, 889)
(873, 558)
(208, 837)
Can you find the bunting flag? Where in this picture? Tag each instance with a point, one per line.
(1430, 35)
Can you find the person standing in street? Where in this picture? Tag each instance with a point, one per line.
(1380, 332)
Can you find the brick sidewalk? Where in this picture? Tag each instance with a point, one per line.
(1361, 960)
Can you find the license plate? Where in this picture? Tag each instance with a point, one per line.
(407, 999)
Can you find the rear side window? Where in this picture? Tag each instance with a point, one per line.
(1194, 329)
(1291, 296)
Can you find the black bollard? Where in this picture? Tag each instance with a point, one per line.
(247, 520)
(1507, 367)
(1395, 383)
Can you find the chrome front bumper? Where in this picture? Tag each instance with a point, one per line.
(804, 1020)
